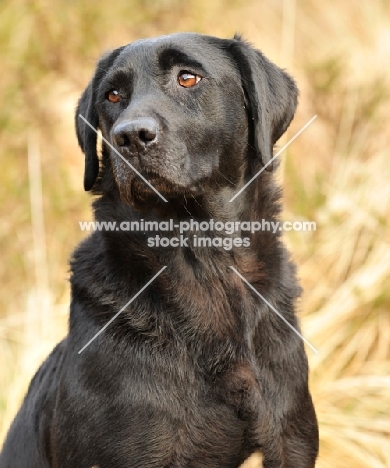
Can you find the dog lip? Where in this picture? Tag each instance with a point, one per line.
(127, 152)
(134, 155)
(165, 184)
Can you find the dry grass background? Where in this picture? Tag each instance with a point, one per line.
(336, 173)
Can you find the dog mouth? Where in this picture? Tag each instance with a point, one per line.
(146, 187)
(166, 186)
(141, 178)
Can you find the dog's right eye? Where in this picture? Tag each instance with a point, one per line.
(113, 96)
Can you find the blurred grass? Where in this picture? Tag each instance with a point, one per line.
(336, 173)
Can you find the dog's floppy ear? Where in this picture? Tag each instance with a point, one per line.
(271, 93)
(86, 136)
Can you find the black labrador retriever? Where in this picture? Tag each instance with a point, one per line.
(197, 370)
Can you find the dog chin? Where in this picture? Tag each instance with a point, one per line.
(137, 193)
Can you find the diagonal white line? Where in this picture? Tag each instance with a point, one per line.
(123, 308)
(273, 308)
(276, 155)
(124, 159)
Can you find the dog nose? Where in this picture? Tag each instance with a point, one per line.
(137, 133)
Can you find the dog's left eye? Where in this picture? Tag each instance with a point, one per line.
(113, 96)
(188, 79)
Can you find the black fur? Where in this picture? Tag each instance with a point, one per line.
(197, 371)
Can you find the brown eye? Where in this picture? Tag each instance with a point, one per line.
(187, 79)
(113, 96)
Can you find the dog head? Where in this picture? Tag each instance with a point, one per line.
(182, 111)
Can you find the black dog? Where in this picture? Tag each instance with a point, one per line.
(198, 371)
